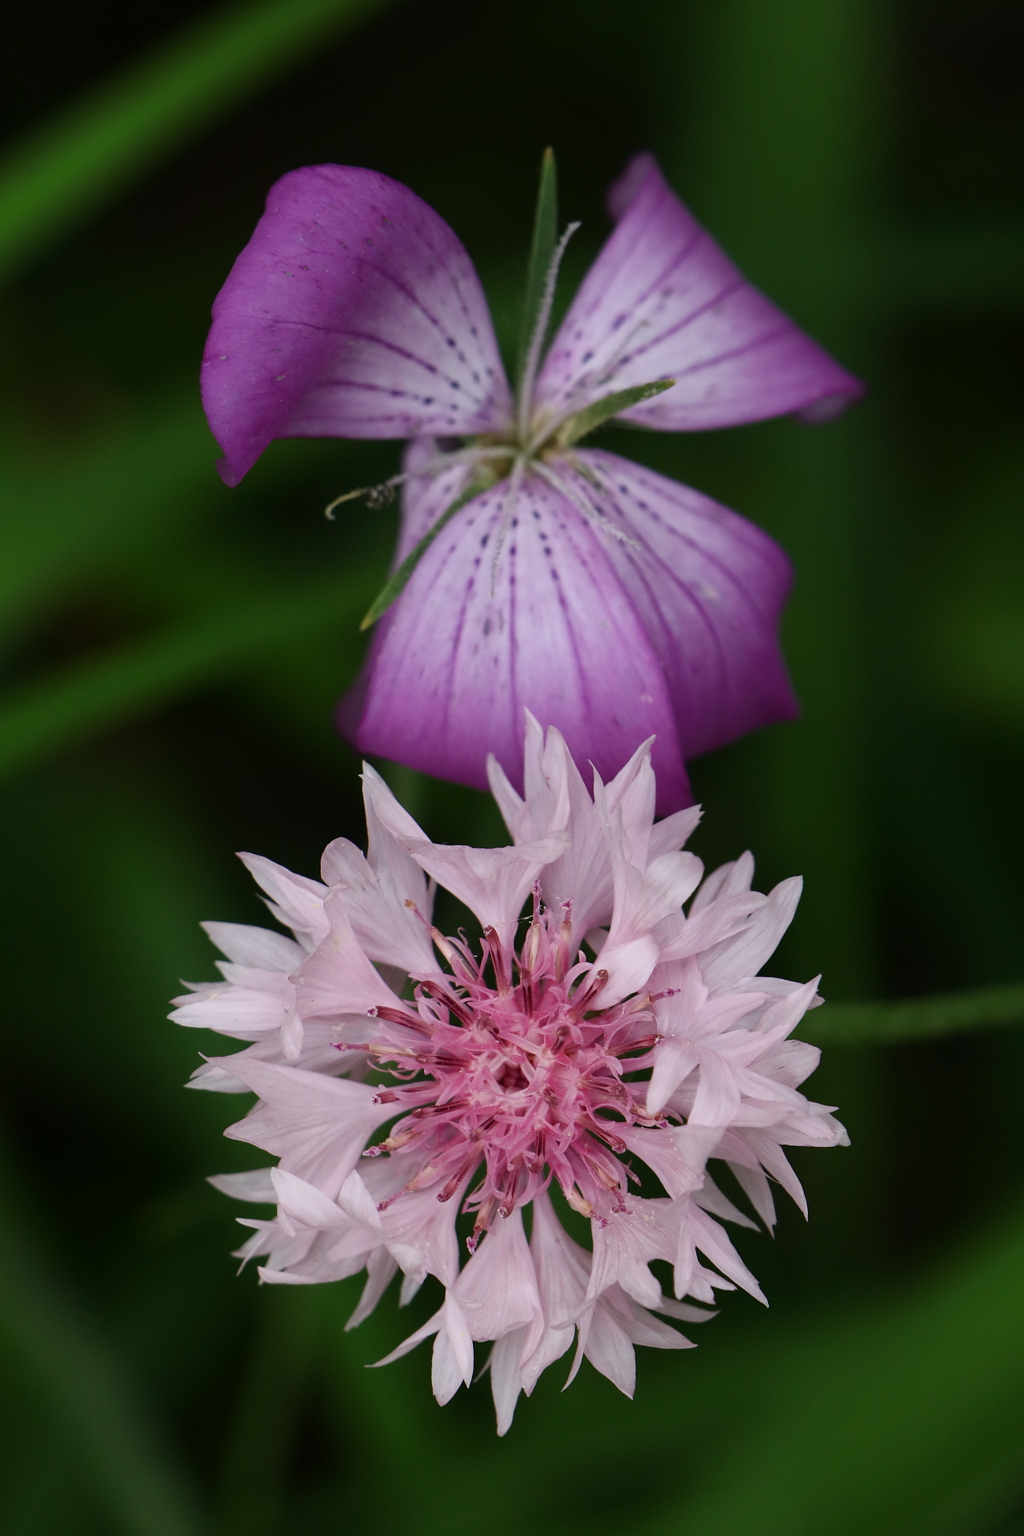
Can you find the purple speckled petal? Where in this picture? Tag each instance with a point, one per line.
(662, 301)
(709, 588)
(354, 311)
(453, 664)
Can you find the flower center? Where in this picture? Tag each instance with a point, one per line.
(516, 1070)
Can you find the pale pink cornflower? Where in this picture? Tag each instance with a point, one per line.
(589, 1057)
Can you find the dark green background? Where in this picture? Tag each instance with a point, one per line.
(171, 653)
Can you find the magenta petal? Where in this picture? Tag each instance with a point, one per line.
(551, 629)
(354, 311)
(663, 301)
(710, 588)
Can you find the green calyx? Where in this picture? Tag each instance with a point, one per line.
(542, 251)
(600, 411)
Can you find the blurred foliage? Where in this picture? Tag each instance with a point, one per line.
(171, 654)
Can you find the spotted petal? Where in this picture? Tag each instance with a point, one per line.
(354, 311)
(663, 301)
(709, 588)
(480, 633)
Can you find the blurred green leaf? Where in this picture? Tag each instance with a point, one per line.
(874, 1424)
(89, 695)
(91, 1407)
(69, 165)
(921, 1018)
(67, 518)
(258, 1444)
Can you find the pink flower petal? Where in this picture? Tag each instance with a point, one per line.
(338, 980)
(497, 1289)
(608, 1347)
(380, 1271)
(354, 311)
(546, 626)
(376, 897)
(452, 1362)
(303, 1204)
(296, 901)
(563, 1269)
(255, 1186)
(316, 1125)
(420, 1234)
(735, 959)
(709, 588)
(624, 1245)
(492, 882)
(663, 301)
(255, 946)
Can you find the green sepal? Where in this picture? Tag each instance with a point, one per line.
(600, 411)
(396, 584)
(545, 239)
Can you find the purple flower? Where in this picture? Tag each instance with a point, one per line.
(515, 1068)
(603, 597)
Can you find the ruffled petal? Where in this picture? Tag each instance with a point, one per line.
(663, 301)
(709, 588)
(338, 981)
(492, 882)
(354, 311)
(734, 959)
(259, 947)
(385, 899)
(316, 1125)
(255, 1186)
(544, 623)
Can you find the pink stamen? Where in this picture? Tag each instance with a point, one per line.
(519, 1077)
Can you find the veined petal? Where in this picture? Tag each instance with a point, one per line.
(608, 1347)
(255, 1186)
(237, 1011)
(338, 979)
(492, 882)
(301, 1203)
(452, 1361)
(542, 622)
(316, 1125)
(420, 1234)
(727, 880)
(673, 1061)
(295, 900)
(354, 311)
(380, 1271)
(497, 1289)
(709, 588)
(387, 928)
(505, 1366)
(556, 796)
(735, 959)
(259, 947)
(663, 301)
(624, 1245)
(563, 1270)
